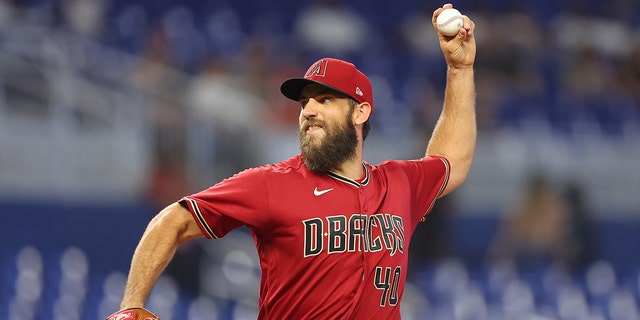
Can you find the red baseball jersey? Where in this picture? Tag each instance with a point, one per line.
(330, 247)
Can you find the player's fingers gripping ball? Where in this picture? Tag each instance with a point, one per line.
(449, 22)
(133, 314)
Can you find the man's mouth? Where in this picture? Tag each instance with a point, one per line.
(313, 128)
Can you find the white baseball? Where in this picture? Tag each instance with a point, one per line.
(449, 22)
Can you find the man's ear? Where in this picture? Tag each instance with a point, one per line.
(361, 113)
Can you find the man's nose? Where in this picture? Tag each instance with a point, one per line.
(310, 108)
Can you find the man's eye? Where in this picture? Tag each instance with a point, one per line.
(327, 99)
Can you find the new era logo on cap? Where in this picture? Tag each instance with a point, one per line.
(336, 74)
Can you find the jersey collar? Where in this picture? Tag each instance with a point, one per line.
(364, 181)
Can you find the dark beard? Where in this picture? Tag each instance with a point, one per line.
(338, 146)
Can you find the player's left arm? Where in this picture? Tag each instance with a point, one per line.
(454, 136)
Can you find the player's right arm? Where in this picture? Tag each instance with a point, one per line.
(454, 135)
(172, 227)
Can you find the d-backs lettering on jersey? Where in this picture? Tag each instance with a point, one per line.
(359, 232)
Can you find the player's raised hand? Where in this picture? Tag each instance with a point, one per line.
(133, 314)
(459, 50)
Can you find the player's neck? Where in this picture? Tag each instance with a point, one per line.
(351, 168)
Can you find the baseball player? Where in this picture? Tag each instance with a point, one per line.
(331, 230)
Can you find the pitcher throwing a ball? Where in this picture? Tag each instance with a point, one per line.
(331, 230)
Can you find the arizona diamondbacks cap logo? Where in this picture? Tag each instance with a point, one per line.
(319, 69)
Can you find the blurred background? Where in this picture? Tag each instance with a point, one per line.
(111, 110)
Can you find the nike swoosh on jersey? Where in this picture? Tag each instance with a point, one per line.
(318, 193)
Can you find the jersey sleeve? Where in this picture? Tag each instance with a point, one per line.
(429, 177)
(240, 200)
